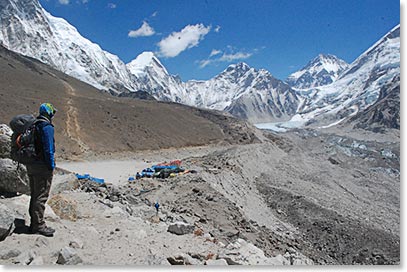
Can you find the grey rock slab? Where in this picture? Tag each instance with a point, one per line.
(68, 256)
(181, 228)
(7, 218)
(183, 259)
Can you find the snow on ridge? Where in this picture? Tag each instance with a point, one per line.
(359, 86)
(138, 65)
(322, 70)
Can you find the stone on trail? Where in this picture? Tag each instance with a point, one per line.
(245, 253)
(68, 256)
(64, 207)
(76, 243)
(218, 262)
(183, 259)
(181, 228)
(7, 218)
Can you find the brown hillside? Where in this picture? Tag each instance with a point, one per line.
(89, 121)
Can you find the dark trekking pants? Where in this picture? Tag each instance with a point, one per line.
(40, 184)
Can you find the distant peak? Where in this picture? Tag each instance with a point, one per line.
(145, 59)
(322, 70)
(324, 59)
(241, 66)
(322, 56)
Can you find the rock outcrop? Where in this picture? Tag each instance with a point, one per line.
(13, 177)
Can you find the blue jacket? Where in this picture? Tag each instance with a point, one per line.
(46, 142)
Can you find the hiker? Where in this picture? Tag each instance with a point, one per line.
(40, 172)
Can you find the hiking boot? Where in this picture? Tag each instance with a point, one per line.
(46, 231)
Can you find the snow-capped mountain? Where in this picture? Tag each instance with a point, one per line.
(26, 28)
(239, 89)
(219, 92)
(327, 89)
(322, 70)
(384, 113)
(245, 92)
(358, 87)
(154, 78)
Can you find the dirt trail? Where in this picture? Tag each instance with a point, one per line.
(73, 128)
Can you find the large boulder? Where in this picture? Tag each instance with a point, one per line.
(5, 141)
(68, 256)
(13, 180)
(64, 207)
(181, 228)
(6, 221)
(245, 253)
(64, 182)
(20, 204)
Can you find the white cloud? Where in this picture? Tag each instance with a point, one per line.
(204, 63)
(67, 2)
(177, 42)
(235, 56)
(154, 14)
(217, 29)
(144, 31)
(111, 5)
(215, 52)
(225, 57)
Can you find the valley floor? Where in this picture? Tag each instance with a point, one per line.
(302, 197)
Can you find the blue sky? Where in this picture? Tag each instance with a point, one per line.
(197, 39)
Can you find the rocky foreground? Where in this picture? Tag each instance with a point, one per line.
(302, 198)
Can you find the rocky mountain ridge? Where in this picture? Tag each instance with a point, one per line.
(28, 29)
(358, 87)
(315, 94)
(322, 70)
(90, 121)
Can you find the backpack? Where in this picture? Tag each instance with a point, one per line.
(23, 139)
